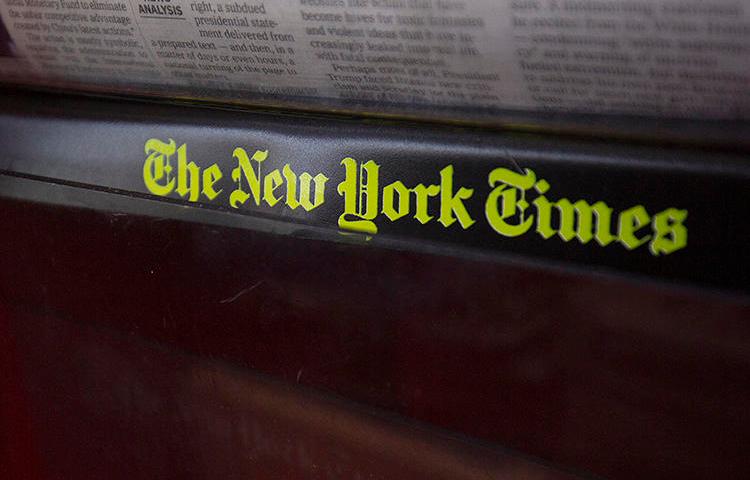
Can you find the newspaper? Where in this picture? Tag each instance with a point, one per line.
(663, 58)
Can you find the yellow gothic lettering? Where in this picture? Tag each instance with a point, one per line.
(509, 202)
(506, 211)
(245, 169)
(670, 233)
(190, 181)
(360, 183)
(451, 205)
(576, 220)
(157, 169)
(361, 192)
(294, 197)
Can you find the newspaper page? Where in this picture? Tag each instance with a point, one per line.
(661, 58)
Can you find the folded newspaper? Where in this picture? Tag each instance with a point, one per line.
(451, 59)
